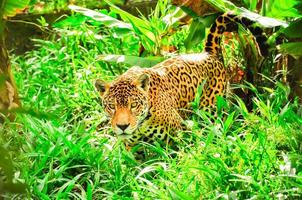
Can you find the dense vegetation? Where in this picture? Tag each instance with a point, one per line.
(57, 147)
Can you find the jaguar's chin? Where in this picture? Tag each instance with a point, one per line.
(124, 136)
(128, 132)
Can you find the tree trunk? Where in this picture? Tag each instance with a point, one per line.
(9, 99)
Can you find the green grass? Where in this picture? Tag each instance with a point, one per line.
(58, 150)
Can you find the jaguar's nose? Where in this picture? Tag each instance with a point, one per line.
(123, 126)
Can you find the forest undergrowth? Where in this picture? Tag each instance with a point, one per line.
(60, 151)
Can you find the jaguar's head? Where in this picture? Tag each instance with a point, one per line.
(125, 101)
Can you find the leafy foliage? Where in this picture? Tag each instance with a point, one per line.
(11, 7)
(281, 9)
(48, 7)
(109, 21)
(151, 32)
(292, 48)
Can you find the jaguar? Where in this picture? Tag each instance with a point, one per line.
(149, 104)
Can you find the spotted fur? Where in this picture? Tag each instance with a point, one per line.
(150, 104)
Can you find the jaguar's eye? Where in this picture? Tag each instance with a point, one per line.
(133, 105)
(111, 106)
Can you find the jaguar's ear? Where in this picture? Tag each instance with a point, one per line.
(101, 86)
(143, 81)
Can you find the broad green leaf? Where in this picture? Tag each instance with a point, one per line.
(105, 19)
(71, 21)
(267, 22)
(197, 30)
(283, 9)
(293, 48)
(196, 34)
(132, 60)
(253, 4)
(142, 25)
(147, 42)
(221, 103)
(229, 121)
(12, 7)
(222, 5)
(172, 18)
(294, 29)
